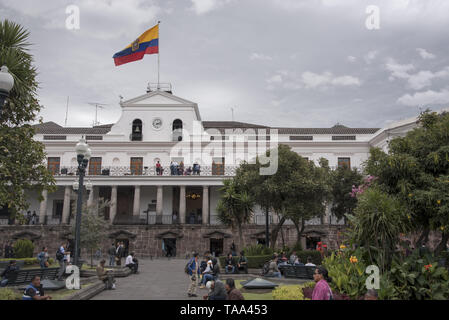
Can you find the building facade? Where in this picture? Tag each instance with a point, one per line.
(173, 210)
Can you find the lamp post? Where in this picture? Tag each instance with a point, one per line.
(83, 153)
(6, 84)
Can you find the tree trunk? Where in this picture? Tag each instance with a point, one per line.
(299, 232)
(275, 231)
(442, 245)
(424, 235)
(241, 238)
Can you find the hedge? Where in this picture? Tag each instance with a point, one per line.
(9, 294)
(29, 261)
(255, 262)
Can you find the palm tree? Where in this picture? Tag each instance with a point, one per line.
(235, 207)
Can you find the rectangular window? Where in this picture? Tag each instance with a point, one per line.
(136, 166)
(301, 138)
(55, 137)
(344, 162)
(53, 164)
(336, 138)
(95, 166)
(218, 166)
(58, 206)
(94, 137)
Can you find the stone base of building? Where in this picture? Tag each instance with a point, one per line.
(173, 240)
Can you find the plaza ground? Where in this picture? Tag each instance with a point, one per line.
(158, 279)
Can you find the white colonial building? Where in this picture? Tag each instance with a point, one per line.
(161, 127)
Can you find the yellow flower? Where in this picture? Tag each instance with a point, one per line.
(410, 195)
(442, 228)
(353, 259)
(342, 246)
(409, 217)
(439, 201)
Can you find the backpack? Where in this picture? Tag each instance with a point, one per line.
(59, 255)
(186, 268)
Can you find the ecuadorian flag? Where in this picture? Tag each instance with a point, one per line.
(147, 43)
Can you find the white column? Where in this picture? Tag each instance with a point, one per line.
(43, 207)
(205, 205)
(182, 204)
(90, 200)
(159, 199)
(113, 207)
(66, 207)
(136, 207)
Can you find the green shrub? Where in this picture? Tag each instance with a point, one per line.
(23, 248)
(30, 261)
(254, 262)
(257, 250)
(8, 294)
(291, 292)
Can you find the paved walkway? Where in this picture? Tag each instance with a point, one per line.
(160, 279)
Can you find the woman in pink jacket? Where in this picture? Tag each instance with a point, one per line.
(322, 291)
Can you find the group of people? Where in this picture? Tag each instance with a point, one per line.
(31, 218)
(116, 253)
(177, 169)
(206, 273)
(236, 265)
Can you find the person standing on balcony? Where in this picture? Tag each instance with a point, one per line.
(158, 169)
(34, 218)
(181, 169)
(172, 168)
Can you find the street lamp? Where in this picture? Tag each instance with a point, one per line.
(6, 84)
(83, 154)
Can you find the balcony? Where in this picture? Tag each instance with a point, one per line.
(142, 220)
(146, 171)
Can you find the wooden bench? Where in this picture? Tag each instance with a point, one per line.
(300, 272)
(4, 264)
(24, 276)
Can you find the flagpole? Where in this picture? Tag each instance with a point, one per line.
(158, 54)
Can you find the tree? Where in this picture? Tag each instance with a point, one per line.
(376, 224)
(93, 227)
(235, 207)
(296, 191)
(416, 171)
(342, 180)
(21, 157)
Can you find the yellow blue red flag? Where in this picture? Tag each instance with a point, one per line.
(146, 43)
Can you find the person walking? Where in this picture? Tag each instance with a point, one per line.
(322, 290)
(111, 253)
(42, 257)
(61, 257)
(193, 270)
(118, 254)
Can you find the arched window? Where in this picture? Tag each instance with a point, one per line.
(136, 134)
(177, 130)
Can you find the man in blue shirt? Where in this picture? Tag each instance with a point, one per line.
(34, 291)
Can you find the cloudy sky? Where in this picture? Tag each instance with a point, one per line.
(293, 63)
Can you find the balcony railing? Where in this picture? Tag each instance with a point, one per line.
(142, 220)
(146, 171)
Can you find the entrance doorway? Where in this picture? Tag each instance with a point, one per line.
(169, 247)
(312, 242)
(216, 247)
(125, 245)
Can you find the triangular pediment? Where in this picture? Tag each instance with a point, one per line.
(156, 98)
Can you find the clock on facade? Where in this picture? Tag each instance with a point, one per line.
(157, 123)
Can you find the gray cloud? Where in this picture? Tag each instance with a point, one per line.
(303, 63)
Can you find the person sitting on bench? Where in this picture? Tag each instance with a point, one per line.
(243, 263)
(132, 262)
(230, 265)
(105, 276)
(11, 268)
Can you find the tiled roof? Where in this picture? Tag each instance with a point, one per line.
(334, 130)
(230, 124)
(53, 128)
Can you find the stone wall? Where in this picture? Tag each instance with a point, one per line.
(146, 241)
